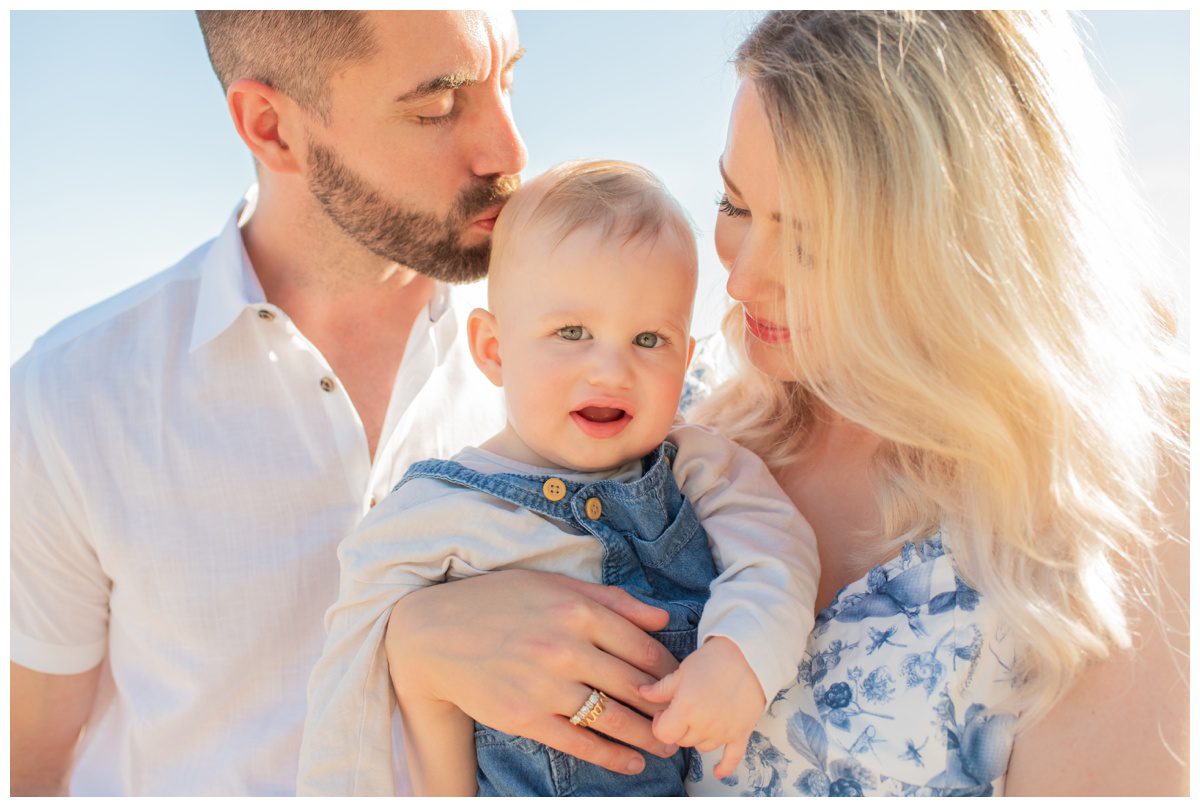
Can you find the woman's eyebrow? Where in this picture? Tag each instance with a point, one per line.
(728, 182)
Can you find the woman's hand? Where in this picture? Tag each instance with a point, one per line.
(521, 651)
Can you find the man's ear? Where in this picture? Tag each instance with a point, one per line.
(258, 114)
(691, 350)
(484, 339)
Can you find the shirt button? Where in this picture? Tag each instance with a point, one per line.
(554, 489)
(372, 501)
(593, 508)
(266, 314)
(327, 384)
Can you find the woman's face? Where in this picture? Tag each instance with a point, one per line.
(748, 235)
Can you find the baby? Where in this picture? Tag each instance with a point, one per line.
(590, 290)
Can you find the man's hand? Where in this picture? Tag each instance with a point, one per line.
(715, 700)
(521, 651)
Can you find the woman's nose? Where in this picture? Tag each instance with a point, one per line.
(756, 271)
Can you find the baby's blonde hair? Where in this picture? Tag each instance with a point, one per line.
(622, 200)
(974, 278)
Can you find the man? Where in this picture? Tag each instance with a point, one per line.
(187, 456)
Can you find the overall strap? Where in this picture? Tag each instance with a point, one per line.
(547, 495)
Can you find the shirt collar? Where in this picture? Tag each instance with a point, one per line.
(227, 280)
(228, 283)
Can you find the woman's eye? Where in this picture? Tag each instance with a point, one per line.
(574, 333)
(648, 339)
(727, 208)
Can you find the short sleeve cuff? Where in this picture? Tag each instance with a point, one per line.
(54, 658)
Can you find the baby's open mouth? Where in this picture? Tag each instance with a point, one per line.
(600, 414)
(602, 422)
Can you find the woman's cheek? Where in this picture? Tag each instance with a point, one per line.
(728, 236)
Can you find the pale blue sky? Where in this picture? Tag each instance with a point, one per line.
(123, 157)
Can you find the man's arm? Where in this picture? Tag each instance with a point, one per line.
(47, 714)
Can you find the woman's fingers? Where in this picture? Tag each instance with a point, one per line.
(510, 648)
(618, 679)
(613, 633)
(558, 733)
(622, 603)
(620, 722)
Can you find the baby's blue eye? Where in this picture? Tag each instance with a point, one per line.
(648, 339)
(574, 333)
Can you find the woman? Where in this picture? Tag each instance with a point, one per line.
(957, 365)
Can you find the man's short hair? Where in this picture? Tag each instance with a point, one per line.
(294, 52)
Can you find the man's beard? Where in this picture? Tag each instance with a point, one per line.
(412, 238)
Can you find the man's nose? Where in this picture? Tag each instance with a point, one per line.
(499, 149)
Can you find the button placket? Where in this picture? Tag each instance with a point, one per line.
(345, 426)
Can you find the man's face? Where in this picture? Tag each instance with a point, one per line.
(420, 150)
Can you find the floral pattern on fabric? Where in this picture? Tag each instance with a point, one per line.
(895, 694)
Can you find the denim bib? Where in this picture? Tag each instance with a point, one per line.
(653, 547)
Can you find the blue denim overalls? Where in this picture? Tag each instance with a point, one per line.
(654, 548)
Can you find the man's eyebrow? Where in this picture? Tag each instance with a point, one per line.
(450, 81)
(516, 57)
(729, 184)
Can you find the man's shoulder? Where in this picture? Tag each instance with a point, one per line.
(142, 318)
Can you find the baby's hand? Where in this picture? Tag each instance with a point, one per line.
(715, 700)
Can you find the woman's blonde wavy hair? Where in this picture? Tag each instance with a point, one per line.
(975, 279)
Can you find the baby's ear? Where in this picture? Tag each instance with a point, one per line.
(483, 336)
(691, 350)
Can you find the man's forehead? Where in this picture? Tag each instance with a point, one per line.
(443, 41)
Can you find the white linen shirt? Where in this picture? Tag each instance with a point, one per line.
(430, 531)
(184, 466)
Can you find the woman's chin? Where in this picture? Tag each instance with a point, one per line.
(774, 360)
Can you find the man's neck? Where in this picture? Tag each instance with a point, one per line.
(355, 307)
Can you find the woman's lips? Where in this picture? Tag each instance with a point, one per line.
(765, 330)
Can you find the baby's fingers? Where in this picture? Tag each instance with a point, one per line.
(660, 691)
(672, 723)
(730, 759)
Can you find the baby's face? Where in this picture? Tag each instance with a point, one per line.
(593, 344)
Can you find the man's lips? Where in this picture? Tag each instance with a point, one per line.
(765, 330)
(488, 220)
(602, 418)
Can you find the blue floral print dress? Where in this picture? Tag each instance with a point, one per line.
(897, 693)
(894, 696)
